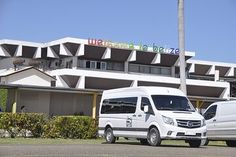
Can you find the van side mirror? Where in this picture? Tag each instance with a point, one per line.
(146, 109)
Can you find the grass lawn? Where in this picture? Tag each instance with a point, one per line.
(91, 141)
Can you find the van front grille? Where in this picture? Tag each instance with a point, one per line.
(189, 123)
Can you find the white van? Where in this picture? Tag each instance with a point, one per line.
(150, 114)
(221, 122)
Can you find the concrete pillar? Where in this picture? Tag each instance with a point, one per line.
(75, 62)
(94, 105)
(217, 75)
(173, 71)
(14, 105)
(81, 83)
(126, 67)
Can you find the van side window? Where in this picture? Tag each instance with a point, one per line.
(210, 113)
(145, 101)
(119, 105)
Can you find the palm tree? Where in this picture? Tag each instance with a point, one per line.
(181, 46)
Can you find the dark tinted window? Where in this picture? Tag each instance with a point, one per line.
(173, 103)
(119, 105)
(210, 113)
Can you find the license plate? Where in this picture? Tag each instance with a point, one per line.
(190, 133)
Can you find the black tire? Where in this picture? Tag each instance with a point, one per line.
(144, 141)
(231, 143)
(195, 143)
(109, 136)
(206, 142)
(154, 138)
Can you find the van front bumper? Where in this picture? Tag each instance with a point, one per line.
(173, 132)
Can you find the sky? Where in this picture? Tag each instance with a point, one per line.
(210, 25)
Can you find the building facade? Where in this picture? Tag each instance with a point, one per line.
(67, 76)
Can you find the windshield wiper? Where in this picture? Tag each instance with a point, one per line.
(184, 109)
(165, 108)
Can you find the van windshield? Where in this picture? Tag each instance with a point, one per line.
(172, 103)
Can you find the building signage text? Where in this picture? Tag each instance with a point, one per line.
(141, 47)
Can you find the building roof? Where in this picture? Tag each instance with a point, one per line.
(12, 72)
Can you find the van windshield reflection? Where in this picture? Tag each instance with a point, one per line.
(172, 103)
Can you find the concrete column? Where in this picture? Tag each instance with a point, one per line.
(94, 105)
(107, 54)
(134, 83)
(173, 71)
(126, 67)
(14, 105)
(74, 63)
(81, 83)
(217, 75)
(38, 53)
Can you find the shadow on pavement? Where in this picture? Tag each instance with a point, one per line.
(162, 145)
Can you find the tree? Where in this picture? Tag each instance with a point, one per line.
(3, 99)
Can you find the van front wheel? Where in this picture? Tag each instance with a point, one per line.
(231, 143)
(154, 138)
(109, 136)
(195, 143)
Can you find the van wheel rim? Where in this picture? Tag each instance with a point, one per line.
(153, 137)
(108, 136)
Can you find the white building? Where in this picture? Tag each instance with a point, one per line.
(67, 76)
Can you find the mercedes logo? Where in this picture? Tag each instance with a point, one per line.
(190, 124)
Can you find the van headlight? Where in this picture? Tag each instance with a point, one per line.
(168, 120)
(203, 122)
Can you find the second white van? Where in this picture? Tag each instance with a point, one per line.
(150, 114)
(221, 122)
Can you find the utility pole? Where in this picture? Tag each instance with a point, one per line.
(181, 46)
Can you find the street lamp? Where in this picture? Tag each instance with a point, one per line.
(181, 46)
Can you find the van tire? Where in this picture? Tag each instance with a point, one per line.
(144, 141)
(231, 143)
(206, 142)
(195, 143)
(153, 137)
(109, 136)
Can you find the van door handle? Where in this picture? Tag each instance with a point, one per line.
(139, 115)
(134, 115)
(214, 120)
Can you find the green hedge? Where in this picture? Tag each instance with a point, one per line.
(79, 127)
(21, 124)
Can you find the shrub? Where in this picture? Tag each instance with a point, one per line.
(80, 127)
(18, 123)
(32, 122)
(9, 122)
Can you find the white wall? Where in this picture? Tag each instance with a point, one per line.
(34, 101)
(29, 77)
(70, 104)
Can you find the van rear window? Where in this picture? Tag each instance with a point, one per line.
(119, 105)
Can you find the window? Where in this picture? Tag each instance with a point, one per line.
(98, 65)
(87, 64)
(119, 105)
(92, 64)
(172, 103)
(95, 65)
(210, 113)
(103, 66)
(145, 101)
(53, 83)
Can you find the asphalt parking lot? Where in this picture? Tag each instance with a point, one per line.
(113, 150)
